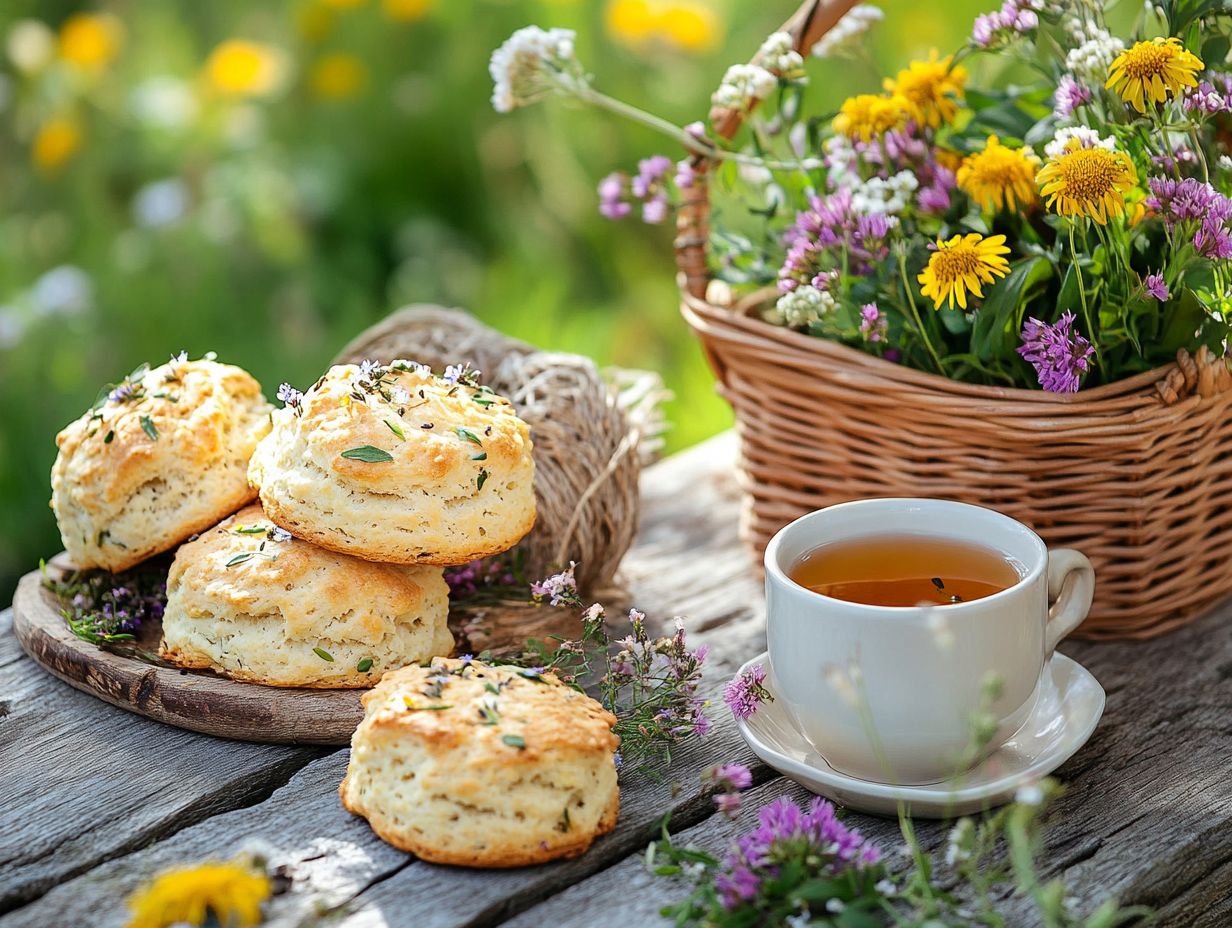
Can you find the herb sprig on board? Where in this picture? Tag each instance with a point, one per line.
(109, 609)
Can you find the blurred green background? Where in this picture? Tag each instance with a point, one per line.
(266, 179)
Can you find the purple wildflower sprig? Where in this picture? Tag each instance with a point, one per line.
(498, 579)
(619, 192)
(1192, 209)
(108, 609)
(1061, 357)
(728, 781)
(746, 691)
(651, 683)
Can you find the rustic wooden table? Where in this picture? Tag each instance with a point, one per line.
(94, 800)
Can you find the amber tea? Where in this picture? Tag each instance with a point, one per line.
(904, 570)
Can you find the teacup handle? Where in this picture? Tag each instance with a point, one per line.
(1071, 587)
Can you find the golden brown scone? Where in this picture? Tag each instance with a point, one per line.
(395, 464)
(163, 455)
(483, 766)
(254, 604)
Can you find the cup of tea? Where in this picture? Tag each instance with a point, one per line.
(897, 627)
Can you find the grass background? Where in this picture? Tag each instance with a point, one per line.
(303, 217)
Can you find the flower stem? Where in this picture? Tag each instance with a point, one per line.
(1082, 294)
(915, 311)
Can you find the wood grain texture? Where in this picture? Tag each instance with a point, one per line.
(83, 782)
(1146, 816)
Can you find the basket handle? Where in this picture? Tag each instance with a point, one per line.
(809, 23)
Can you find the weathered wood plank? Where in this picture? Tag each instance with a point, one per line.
(84, 782)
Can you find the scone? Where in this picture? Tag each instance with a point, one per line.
(395, 464)
(483, 766)
(250, 602)
(160, 456)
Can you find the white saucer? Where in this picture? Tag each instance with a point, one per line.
(1070, 704)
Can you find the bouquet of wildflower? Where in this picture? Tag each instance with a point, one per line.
(1064, 232)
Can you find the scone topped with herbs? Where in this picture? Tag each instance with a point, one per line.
(479, 765)
(162, 455)
(253, 603)
(391, 463)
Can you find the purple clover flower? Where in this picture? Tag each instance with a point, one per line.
(618, 193)
(1069, 96)
(1211, 97)
(1155, 287)
(873, 323)
(734, 776)
(746, 691)
(1016, 17)
(821, 233)
(786, 833)
(1195, 206)
(1059, 355)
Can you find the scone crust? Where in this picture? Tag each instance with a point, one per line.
(261, 618)
(140, 473)
(460, 485)
(454, 785)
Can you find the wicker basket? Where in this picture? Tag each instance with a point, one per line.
(1136, 474)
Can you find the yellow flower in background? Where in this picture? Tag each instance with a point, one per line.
(1087, 182)
(55, 143)
(241, 68)
(961, 265)
(344, 4)
(999, 176)
(933, 89)
(690, 26)
(232, 892)
(1149, 71)
(338, 76)
(315, 21)
(406, 10)
(868, 116)
(90, 41)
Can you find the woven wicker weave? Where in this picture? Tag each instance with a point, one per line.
(1136, 474)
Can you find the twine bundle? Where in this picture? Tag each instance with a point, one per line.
(1136, 474)
(591, 434)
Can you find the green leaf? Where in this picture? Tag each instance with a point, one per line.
(250, 530)
(1182, 322)
(147, 425)
(468, 435)
(481, 480)
(396, 429)
(240, 559)
(995, 332)
(109, 437)
(364, 665)
(481, 456)
(368, 454)
(323, 654)
(856, 918)
(514, 741)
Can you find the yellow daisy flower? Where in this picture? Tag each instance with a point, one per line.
(1087, 182)
(232, 892)
(999, 177)
(964, 263)
(90, 40)
(868, 116)
(241, 68)
(1149, 71)
(933, 89)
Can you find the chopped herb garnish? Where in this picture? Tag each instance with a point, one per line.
(481, 456)
(368, 454)
(488, 714)
(109, 437)
(481, 480)
(147, 425)
(249, 530)
(240, 558)
(494, 690)
(323, 654)
(468, 435)
(410, 704)
(364, 665)
(396, 429)
(484, 401)
(565, 824)
(514, 741)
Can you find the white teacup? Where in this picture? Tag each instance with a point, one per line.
(890, 693)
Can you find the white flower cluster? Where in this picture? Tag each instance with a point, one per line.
(743, 85)
(803, 305)
(847, 31)
(884, 195)
(1085, 136)
(778, 55)
(1093, 56)
(532, 63)
(959, 842)
(1224, 163)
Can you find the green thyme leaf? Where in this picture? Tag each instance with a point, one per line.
(396, 429)
(324, 655)
(414, 707)
(147, 425)
(483, 478)
(481, 456)
(240, 559)
(484, 401)
(364, 665)
(468, 435)
(250, 530)
(368, 454)
(494, 690)
(109, 437)
(514, 741)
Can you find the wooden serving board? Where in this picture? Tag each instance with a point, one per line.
(203, 701)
